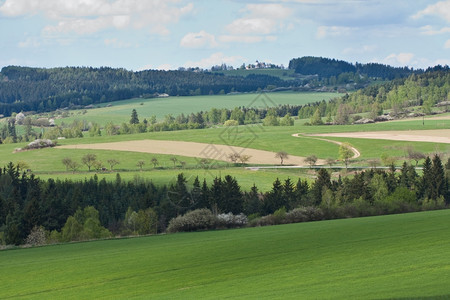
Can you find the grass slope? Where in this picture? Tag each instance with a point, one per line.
(393, 256)
(160, 107)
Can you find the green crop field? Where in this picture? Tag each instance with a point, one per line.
(120, 111)
(396, 256)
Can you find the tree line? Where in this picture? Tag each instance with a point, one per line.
(58, 207)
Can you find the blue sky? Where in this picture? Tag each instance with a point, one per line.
(167, 34)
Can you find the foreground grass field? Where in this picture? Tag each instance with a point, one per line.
(397, 256)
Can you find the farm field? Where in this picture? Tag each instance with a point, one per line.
(47, 163)
(120, 111)
(395, 256)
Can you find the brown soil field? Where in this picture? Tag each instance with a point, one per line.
(192, 149)
(432, 136)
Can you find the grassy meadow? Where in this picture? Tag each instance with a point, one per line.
(120, 111)
(395, 256)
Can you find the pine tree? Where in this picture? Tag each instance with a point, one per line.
(438, 178)
(134, 117)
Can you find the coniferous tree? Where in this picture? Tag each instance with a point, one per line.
(134, 117)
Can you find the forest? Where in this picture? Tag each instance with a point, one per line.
(61, 209)
(326, 68)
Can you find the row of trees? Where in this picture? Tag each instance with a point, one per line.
(28, 203)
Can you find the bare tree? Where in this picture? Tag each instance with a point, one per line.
(233, 157)
(155, 162)
(311, 160)
(244, 158)
(174, 160)
(89, 160)
(415, 155)
(112, 163)
(282, 155)
(70, 164)
(183, 164)
(373, 163)
(140, 164)
(98, 165)
(330, 161)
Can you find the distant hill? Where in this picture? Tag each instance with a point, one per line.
(326, 68)
(39, 89)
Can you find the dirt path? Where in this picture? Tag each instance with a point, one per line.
(432, 136)
(355, 151)
(191, 149)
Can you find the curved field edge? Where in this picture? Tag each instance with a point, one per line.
(396, 256)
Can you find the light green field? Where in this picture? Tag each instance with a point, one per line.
(396, 256)
(120, 111)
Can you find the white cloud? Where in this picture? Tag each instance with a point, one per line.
(30, 42)
(260, 22)
(198, 40)
(333, 31)
(360, 50)
(401, 59)
(447, 44)
(89, 16)
(240, 38)
(441, 9)
(217, 58)
(116, 43)
(429, 30)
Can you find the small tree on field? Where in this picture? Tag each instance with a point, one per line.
(70, 164)
(154, 161)
(174, 160)
(140, 164)
(244, 158)
(311, 160)
(89, 160)
(345, 153)
(112, 163)
(98, 165)
(183, 164)
(233, 157)
(282, 155)
(415, 155)
(330, 161)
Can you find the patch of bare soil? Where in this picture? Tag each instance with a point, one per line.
(432, 136)
(192, 149)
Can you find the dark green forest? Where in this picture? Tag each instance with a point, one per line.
(326, 68)
(27, 202)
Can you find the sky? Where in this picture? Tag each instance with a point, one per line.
(167, 34)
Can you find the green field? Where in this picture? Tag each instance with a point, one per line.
(396, 256)
(120, 111)
(47, 162)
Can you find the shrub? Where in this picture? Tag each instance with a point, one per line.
(229, 220)
(39, 143)
(36, 237)
(304, 214)
(199, 219)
